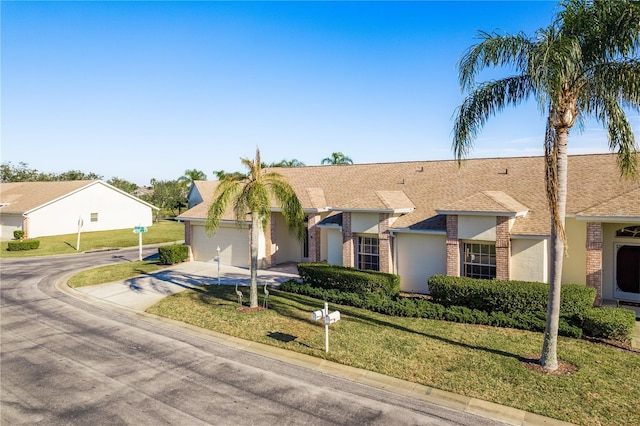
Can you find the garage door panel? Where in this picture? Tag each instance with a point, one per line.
(233, 243)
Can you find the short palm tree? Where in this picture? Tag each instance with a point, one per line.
(251, 194)
(337, 158)
(584, 64)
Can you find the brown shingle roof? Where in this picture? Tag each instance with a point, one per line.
(486, 202)
(429, 185)
(626, 205)
(22, 197)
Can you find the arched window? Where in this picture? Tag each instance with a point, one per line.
(629, 231)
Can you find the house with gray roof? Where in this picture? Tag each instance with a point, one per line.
(60, 207)
(484, 218)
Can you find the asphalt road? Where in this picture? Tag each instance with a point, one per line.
(67, 361)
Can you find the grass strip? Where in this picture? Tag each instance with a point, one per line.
(109, 273)
(161, 232)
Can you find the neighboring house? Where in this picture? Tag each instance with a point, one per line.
(486, 218)
(143, 191)
(56, 208)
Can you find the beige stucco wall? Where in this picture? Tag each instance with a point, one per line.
(115, 211)
(574, 266)
(529, 260)
(479, 228)
(365, 223)
(288, 248)
(418, 257)
(334, 246)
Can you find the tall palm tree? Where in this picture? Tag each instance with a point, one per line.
(337, 158)
(584, 64)
(252, 193)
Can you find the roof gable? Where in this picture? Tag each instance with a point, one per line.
(486, 202)
(24, 197)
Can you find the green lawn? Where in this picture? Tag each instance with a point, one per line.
(477, 361)
(161, 232)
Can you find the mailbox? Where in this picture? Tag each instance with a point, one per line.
(332, 317)
(317, 315)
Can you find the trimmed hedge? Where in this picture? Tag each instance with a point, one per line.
(323, 275)
(18, 234)
(421, 308)
(173, 253)
(609, 323)
(508, 296)
(23, 245)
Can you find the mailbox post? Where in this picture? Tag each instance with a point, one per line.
(329, 318)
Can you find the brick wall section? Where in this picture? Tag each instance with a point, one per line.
(347, 240)
(384, 240)
(503, 248)
(594, 258)
(270, 242)
(314, 238)
(188, 236)
(453, 247)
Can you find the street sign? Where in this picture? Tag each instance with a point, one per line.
(139, 229)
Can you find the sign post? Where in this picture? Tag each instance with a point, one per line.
(80, 223)
(139, 230)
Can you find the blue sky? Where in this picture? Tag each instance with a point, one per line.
(141, 90)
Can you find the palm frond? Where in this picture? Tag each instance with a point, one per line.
(484, 102)
(494, 50)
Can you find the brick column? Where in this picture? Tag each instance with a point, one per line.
(453, 246)
(384, 241)
(314, 238)
(503, 248)
(594, 259)
(270, 242)
(188, 236)
(347, 240)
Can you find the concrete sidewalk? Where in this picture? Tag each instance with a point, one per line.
(141, 292)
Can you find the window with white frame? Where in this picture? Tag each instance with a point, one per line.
(479, 260)
(368, 254)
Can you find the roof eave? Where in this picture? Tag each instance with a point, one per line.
(482, 213)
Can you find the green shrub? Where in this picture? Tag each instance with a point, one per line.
(18, 234)
(421, 308)
(508, 296)
(23, 245)
(609, 323)
(346, 279)
(173, 253)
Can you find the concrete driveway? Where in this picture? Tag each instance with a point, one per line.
(141, 292)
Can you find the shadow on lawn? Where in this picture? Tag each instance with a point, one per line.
(356, 316)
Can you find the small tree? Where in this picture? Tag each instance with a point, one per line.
(252, 193)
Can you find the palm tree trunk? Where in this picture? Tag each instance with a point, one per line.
(255, 230)
(549, 356)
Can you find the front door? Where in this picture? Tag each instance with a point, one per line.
(627, 272)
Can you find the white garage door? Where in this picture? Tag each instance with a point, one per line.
(233, 243)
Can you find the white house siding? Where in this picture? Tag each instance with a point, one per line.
(10, 223)
(529, 260)
(575, 261)
(233, 243)
(477, 228)
(419, 256)
(115, 211)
